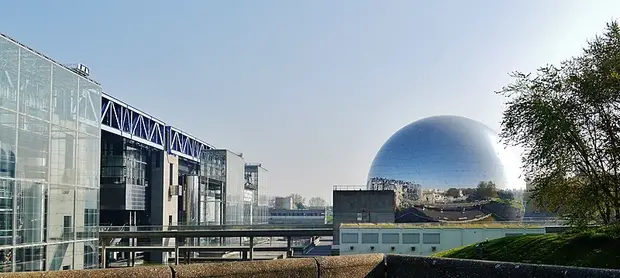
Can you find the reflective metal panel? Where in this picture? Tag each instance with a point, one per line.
(444, 152)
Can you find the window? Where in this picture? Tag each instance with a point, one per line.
(169, 220)
(67, 225)
(431, 238)
(363, 217)
(170, 174)
(349, 238)
(390, 238)
(513, 234)
(409, 238)
(370, 237)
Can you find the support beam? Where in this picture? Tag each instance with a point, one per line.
(251, 248)
(104, 254)
(289, 248)
(176, 251)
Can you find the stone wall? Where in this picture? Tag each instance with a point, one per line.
(370, 265)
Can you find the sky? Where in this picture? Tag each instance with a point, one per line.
(310, 89)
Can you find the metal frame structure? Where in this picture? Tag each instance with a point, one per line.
(120, 118)
(184, 145)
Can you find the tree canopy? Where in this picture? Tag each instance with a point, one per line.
(298, 201)
(567, 118)
(317, 202)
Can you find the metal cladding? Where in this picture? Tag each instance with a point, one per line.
(442, 152)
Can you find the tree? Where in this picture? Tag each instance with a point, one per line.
(486, 190)
(505, 195)
(298, 201)
(567, 118)
(317, 202)
(469, 191)
(452, 192)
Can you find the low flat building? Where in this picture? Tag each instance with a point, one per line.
(356, 204)
(297, 216)
(422, 239)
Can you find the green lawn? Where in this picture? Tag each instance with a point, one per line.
(598, 248)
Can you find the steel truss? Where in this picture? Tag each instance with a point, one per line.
(185, 145)
(119, 118)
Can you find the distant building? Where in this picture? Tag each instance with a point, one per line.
(421, 239)
(284, 203)
(297, 216)
(353, 205)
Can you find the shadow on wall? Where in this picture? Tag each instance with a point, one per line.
(368, 265)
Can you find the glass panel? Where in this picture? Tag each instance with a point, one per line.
(349, 238)
(88, 156)
(8, 125)
(513, 234)
(411, 238)
(433, 238)
(60, 208)
(30, 258)
(62, 155)
(35, 81)
(86, 212)
(91, 256)
(9, 64)
(32, 153)
(64, 98)
(89, 107)
(6, 260)
(6, 211)
(60, 256)
(370, 238)
(390, 238)
(30, 212)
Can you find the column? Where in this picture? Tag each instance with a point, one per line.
(251, 248)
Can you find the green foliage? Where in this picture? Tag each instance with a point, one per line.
(298, 201)
(505, 195)
(599, 248)
(567, 118)
(452, 192)
(486, 190)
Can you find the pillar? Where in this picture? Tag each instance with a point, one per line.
(251, 248)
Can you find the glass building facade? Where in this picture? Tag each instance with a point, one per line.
(49, 163)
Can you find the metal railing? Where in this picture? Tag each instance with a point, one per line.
(154, 228)
(350, 187)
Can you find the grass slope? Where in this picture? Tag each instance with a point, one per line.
(599, 248)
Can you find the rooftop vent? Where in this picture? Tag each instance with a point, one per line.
(80, 69)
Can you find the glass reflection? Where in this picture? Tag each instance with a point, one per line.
(443, 152)
(49, 163)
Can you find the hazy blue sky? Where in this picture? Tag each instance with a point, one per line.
(311, 89)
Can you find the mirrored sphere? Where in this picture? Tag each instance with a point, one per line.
(442, 152)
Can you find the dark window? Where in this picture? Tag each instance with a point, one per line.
(170, 174)
(169, 220)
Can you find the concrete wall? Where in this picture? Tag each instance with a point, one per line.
(162, 206)
(419, 241)
(374, 206)
(357, 266)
